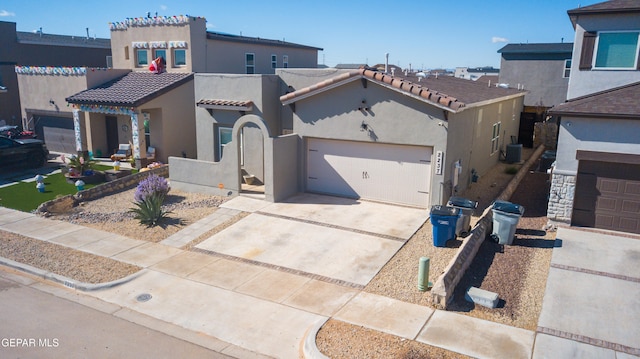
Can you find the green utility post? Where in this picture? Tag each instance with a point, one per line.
(423, 274)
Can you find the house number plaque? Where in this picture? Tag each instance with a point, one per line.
(439, 158)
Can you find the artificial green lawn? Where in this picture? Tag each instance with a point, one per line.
(25, 197)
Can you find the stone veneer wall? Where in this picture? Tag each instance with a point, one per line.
(65, 203)
(442, 291)
(561, 196)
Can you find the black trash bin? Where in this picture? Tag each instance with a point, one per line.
(443, 221)
(466, 207)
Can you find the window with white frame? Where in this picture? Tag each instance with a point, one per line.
(160, 53)
(224, 137)
(617, 50)
(142, 57)
(567, 68)
(274, 61)
(285, 61)
(495, 138)
(179, 57)
(250, 63)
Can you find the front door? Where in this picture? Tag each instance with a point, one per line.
(112, 134)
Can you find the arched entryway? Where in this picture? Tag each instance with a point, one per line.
(251, 137)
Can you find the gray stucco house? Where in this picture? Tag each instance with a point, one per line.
(351, 133)
(596, 179)
(542, 69)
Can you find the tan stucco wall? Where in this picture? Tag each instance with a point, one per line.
(175, 111)
(194, 33)
(229, 57)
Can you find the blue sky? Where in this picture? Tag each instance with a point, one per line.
(426, 34)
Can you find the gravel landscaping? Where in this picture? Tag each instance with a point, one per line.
(517, 273)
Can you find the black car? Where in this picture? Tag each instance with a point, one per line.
(24, 152)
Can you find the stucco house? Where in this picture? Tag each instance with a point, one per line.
(352, 133)
(40, 49)
(135, 106)
(596, 179)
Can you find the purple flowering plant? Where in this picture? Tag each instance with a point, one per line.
(152, 185)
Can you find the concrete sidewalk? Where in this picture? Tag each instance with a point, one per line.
(590, 307)
(242, 306)
(255, 309)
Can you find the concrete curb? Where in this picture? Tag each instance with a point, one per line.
(308, 346)
(68, 282)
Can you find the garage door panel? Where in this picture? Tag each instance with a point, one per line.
(607, 196)
(384, 172)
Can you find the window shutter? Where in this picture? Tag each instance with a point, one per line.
(588, 45)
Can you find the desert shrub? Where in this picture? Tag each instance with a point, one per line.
(149, 211)
(511, 170)
(151, 185)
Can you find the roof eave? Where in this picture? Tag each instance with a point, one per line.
(493, 100)
(622, 116)
(322, 89)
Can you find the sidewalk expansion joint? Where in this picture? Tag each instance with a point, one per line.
(594, 272)
(385, 236)
(318, 277)
(591, 341)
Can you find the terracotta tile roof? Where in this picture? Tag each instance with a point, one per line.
(132, 89)
(620, 102)
(443, 91)
(226, 104)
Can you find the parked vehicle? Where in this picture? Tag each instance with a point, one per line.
(23, 152)
(15, 132)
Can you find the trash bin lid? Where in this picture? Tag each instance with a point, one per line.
(462, 202)
(439, 210)
(508, 207)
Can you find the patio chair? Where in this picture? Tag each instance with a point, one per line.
(151, 153)
(123, 152)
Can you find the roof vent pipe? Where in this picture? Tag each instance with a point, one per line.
(87, 33)
(386, 63)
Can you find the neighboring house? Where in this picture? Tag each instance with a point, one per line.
(41, 49)
(596, 179)
(187, 46)
(135, 106)
(542, 69)
(358, 134)
(474, 73)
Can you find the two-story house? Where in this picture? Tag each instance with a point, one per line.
(42, 49)
(596, 179)
(147, 109)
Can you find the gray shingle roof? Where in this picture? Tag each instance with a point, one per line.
(550, 48)
(62, 40)
(256, 40)
(131, 90)
(619, 102)
(607, 7)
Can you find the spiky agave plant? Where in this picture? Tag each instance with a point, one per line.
(149, 211)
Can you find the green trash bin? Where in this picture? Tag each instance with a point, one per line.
(505, 220)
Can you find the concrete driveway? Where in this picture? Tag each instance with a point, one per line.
(339, 239)
(590, 307)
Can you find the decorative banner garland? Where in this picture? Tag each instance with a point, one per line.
(178, 44)
(110, 110)
(140, 45)
(51, 70)
(151, 21)
(158, 44)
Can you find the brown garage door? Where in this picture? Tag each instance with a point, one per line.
(607, 196)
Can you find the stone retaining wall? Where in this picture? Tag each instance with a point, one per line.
(442, 291)
(65, 203)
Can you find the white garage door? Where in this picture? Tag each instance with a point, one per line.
(381, 172)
